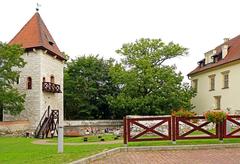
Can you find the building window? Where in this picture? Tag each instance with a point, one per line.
(195, 84)
(225, 79)
(18, 79)
(211, 82)
(217, 102)
(52, 79)
(29, 83)
(44, 79)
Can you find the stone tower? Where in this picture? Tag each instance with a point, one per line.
(42, 77)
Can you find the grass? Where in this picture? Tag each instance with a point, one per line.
(97, 138)
(21, 150)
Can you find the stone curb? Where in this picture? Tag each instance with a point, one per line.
(105, 154)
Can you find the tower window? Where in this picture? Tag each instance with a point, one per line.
(18, 79)
(29, 83)
(44, 79)
(52, 79)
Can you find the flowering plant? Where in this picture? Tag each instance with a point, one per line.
(215, 116)
(183, 113)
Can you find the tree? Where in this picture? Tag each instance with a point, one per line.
(149, 86)
(87, 84)
(10, 61)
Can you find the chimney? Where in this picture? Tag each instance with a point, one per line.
(226, 40)
(225, 48)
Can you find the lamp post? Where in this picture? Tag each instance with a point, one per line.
(60, 139)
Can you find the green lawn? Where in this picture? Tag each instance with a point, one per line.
(97, 138)
(21, 150)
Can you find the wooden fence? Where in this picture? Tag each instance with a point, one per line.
(154, 128)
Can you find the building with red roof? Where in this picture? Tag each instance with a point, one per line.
(41, 80)
(216, 78)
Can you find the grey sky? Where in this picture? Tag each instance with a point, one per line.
(102, 26)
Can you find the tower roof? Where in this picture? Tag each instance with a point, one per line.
(35, 34)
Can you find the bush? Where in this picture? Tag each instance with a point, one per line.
(183, 113)
(215, 116)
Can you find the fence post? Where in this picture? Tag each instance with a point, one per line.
(220, 131)
(125, 135)
(173, 129)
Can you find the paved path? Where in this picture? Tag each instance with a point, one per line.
(211, 156)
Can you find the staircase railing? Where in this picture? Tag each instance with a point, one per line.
(48, 124)
(46, 114)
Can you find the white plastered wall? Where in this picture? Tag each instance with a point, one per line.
(230, 98)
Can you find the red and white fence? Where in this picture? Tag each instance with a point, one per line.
(154, 128)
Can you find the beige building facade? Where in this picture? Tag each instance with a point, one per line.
(217, 78)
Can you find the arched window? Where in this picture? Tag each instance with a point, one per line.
(29, 83)
(43, 79)
(52, 79)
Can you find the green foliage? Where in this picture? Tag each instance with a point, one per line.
(10, 60)
(183, 113)
(87, 84)
(149, 86)
(215, 116)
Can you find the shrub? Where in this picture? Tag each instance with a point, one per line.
(215, 116)
(183, 113)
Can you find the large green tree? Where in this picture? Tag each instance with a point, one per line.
(10, 61)
(148, 85)
(87, 84)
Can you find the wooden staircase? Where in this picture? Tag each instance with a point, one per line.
(47, 126)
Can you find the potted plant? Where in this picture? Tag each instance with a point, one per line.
(215, 116)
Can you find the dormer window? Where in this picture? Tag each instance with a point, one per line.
(201, 63)
(217, 57)
(50, 41)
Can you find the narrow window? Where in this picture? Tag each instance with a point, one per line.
(195, 84)
(44, 79)
(52, 79)
(18, 79)
(211, 82)
(29, 83)
(217, 102)
(225, 79)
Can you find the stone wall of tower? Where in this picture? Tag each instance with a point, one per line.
(50, 66)
(32, 100)
(39, 65)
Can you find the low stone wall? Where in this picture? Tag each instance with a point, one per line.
(92, 127)
(14, 128)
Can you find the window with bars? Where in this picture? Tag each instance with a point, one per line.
(195, 84)
(225, 79)
(217, 102)
(211, 82)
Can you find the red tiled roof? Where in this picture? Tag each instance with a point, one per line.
(35, 34)
(232, 55)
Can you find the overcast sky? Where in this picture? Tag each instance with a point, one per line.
(102, 26)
